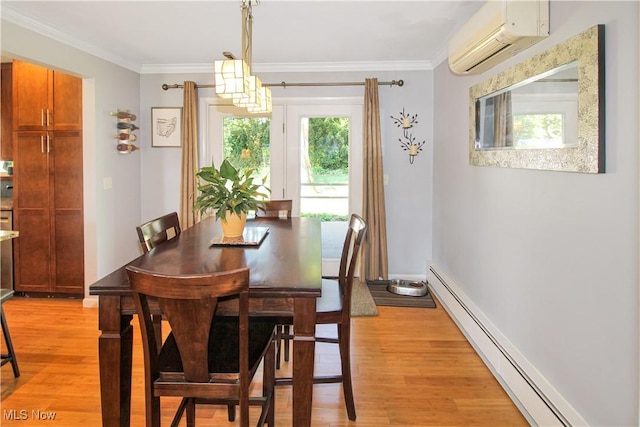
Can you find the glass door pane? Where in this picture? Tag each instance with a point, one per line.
(324, 175)
(324, 167)
(246, 144)
(246, 140)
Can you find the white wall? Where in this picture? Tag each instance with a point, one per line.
(110, 215)
(408, 195)
(551, 258)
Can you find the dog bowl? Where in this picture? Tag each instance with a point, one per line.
(407, 287)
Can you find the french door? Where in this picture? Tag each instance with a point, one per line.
(313, 156)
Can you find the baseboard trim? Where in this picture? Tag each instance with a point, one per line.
(90, 301)
(540, 403)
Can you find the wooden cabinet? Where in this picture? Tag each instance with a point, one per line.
(48, 205)
(44, 99)
(67, 222)
(6, 111)
(31, 213)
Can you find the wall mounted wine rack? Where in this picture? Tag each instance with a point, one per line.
(125, 128)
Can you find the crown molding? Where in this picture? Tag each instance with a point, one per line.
(344, 66)
(23, 20)
(308, 67)
(441, 56)
(176, 68)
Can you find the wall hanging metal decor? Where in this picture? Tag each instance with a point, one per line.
(408, 141)
(125, 127)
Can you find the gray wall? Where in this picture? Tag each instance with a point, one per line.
(551, 258)
(408, 195)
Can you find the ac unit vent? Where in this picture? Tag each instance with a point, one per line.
(499, 30)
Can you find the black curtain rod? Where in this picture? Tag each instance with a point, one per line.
(285, 84)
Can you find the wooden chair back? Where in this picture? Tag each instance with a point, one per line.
(157, 231)
(189, 304)
(275, 209)
(349, 260)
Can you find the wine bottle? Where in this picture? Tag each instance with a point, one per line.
(125, 125)
(126, 148)
(126, 137)
(124, 115)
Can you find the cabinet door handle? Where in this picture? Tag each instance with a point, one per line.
(48, 117)
(49, 143)
(42, 143)
(42, 121)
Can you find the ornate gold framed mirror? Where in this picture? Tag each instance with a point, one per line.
(544, 113)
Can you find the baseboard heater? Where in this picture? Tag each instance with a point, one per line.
(542, 396)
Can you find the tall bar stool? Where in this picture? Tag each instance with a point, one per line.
(334, 307)
(5, 294)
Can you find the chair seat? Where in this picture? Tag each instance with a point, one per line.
(329, 303)
(331, 299)
(223, 345)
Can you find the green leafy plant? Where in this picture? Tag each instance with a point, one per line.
(229, 190)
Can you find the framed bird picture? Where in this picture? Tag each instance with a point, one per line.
(166, 126)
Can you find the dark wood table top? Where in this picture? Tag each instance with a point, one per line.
(287, 263)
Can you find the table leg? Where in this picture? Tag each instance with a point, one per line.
(114, 347)
(304, 325)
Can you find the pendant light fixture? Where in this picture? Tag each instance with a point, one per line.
(233, 79)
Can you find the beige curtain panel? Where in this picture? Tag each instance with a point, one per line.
(189, 184)
(503, 120)
(374, 256)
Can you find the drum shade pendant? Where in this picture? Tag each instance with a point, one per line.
(264, 104)
(251, 98)
(233, 79)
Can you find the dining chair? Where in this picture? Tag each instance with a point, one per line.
(157, 231)
(153, 233)
(10, 357)
(205, 359)
(275, 209)
(334, 307)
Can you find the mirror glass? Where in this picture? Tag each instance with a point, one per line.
(545, 113)
(539, 113)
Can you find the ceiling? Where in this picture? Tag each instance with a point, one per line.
(302, 35)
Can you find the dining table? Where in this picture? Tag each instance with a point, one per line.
(285, 279)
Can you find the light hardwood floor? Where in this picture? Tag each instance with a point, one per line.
(411, 367)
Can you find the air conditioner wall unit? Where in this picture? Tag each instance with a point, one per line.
(498, 30)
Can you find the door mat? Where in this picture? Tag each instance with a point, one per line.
(383, 297)
(362, 303)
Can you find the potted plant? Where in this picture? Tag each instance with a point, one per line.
(231, 193)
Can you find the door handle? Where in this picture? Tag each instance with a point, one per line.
(42, 144)
(49, 143)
